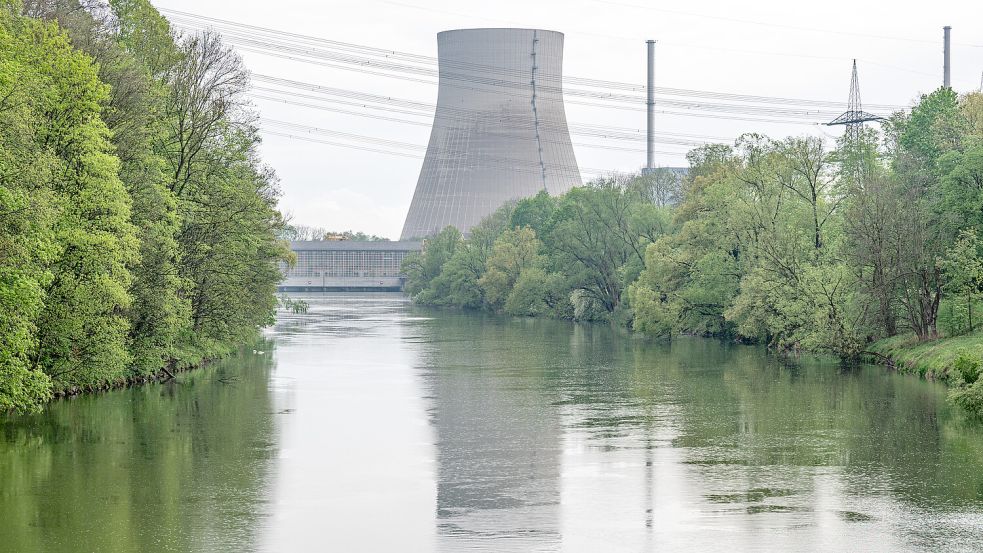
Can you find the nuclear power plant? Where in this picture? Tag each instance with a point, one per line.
(499, 132)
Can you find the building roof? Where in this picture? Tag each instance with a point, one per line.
(349, 245)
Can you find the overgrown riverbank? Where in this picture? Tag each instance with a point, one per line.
(786, 242)
(162, 375)
(955, 361)
(139, 230)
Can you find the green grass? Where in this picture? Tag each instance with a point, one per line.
(932, 359)
(957, 361)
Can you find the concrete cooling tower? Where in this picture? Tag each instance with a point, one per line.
(499, 132)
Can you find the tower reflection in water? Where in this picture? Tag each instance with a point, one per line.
(498, 441)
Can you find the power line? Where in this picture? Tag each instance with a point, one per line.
(602, 96)
(380, 146)
(408, 66)
(194, 20)
(773, 25)
(728, 49)
(619, 133)
(599, 131)
(676, 142)
(412, 104)
(303, 137)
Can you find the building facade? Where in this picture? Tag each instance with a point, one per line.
(499, 132)
(326, 266)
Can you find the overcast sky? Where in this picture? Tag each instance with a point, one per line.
(765, 48)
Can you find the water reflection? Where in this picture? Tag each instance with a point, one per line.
(355, 467)
(498, 444)
(580, 438)
(176, 467)
(372, 425)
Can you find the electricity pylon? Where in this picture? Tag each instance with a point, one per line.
(854, 118)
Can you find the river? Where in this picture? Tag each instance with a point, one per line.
(371, 425)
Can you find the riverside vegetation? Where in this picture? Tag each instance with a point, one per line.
(871, 249)
(138, 227)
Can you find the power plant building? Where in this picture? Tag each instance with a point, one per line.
(344, 266)
(499, 132)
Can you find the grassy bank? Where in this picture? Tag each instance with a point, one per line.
(955, 361)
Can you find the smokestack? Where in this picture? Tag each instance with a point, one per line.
(650, 104)
(946, 66)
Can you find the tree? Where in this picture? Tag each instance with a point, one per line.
(204, 91)
(917, 144)
(513, 252)
(597, 237)
(692, 275)
(538, 293)
(134, 49)
(534, 212)
(660, 187)
(229, 240)
(961, 199)
(27, 215)
(806, 171)
(422, 268)
(80, 332)
(872, 246)
(138, 227)
(963, 268)
(305, 232)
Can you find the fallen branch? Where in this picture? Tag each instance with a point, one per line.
(887, 360)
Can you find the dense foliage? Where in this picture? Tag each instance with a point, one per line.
(571, 256)
(138, 228)
(791, 243)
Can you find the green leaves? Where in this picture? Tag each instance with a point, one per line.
(106, 272)
(571, 256)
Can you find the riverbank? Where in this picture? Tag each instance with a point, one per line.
(186, 363)
(162, 375)
(954, 361)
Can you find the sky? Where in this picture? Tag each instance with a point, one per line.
(763, 48)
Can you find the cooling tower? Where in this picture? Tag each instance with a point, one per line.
(499, 132)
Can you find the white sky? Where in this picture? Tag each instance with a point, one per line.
(766, 48)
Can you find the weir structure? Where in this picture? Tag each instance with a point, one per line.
(499, 132)
(344, 266)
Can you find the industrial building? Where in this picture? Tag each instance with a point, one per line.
(345, 266)
(499, 132)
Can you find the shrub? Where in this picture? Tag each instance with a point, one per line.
(968, 367)
(969, 397)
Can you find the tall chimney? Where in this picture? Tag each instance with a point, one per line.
(650, 104)
(946, 66)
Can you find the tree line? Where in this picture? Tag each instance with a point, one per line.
(139, 229)
(791, 242)
(321, 234)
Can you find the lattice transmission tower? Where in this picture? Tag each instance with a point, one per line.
(853, 119)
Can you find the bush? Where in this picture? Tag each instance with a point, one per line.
(968, 367)
(969, 397)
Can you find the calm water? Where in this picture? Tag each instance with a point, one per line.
(371, 425)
